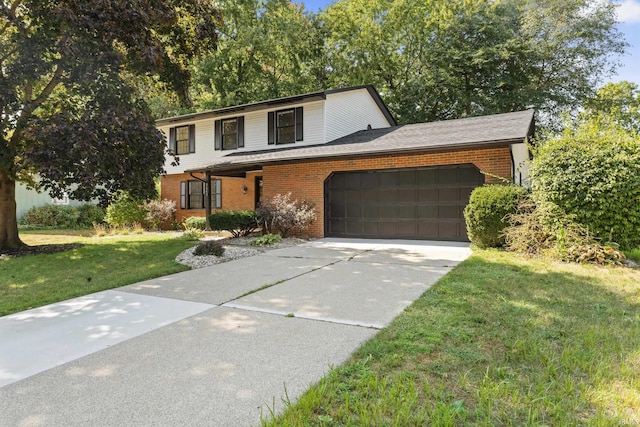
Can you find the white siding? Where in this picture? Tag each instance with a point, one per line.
(520, 153)
(255, 135)
(205, 152)
(26, 199)
(351, 111)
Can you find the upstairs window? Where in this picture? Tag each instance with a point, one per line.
(182, 139)
(285, 126)
(229, 133)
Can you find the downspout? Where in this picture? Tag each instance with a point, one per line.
(513, 166)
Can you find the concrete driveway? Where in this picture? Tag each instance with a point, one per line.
(217, 346)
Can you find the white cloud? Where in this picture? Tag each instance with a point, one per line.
(629, 11)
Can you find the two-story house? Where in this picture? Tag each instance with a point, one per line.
(342, 151)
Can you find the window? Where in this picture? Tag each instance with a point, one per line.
(229, 133)
(285, 126)
(193, 194)
(182, 139)
(64, 200)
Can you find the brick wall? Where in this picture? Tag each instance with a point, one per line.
(306, 180)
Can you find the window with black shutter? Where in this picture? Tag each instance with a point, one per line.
(229, 133)
(285, 126)
(182, 139)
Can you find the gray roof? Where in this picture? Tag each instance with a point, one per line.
(494, 130)
(279, 102)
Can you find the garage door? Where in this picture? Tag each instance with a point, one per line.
(424, 203)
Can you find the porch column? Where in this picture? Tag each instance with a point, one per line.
(207, 199)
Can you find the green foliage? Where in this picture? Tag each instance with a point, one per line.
(285, 216)
(90, 214)
(487, 210)
(69, 112)
(614, 105)
(58, 216)
(192, 234)
(125, 211)
(592, 175)
(267, 49)
(266, 240)
(210, 247)
(197, 222)
(447, 59)
(238, 223)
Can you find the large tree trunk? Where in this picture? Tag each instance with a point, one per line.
(8, 221)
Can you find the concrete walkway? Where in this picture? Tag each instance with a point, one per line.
(217, 346)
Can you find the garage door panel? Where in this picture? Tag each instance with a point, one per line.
(421, 203)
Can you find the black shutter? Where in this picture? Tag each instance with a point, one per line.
(172, 140)
(218, 135)
(240, 124)
(299, 134)
(192, 138)
(272, 128)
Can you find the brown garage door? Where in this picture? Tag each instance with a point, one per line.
(424, 203)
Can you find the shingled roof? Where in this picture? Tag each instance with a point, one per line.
(494, 130)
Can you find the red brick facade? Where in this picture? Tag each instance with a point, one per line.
(305, 180)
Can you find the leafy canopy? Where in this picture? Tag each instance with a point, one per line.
(69, 119)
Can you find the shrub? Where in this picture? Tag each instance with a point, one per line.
(210, 247)
(197, 222)
(284, 215)
(592, 174)
(266, 240)
(89, 214)
(51, 216)
(192, 234)
(160, 212)
(238, 223)
(543, 229)
(487, 210)
(125, 210)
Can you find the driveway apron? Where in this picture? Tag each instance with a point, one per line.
(218, 346)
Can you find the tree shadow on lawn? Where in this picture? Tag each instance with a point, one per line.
(38, 249)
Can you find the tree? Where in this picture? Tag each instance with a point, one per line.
(69, 119)
(441, 59)
(267, 49)
(615, 104)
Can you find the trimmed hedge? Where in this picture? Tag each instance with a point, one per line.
(486, 213)
(197, 222)
(238, 223)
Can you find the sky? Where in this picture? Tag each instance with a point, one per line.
(629, 25)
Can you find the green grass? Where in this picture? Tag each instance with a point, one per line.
(633, 254)
(501, 340)
(103, 263)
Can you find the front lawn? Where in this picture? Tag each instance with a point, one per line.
(501, 340)
(103, 263)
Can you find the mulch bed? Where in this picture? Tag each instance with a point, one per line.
(39, 249)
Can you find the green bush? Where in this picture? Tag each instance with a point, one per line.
(125, 211)
(59, 216)
(486, 213)
(210, 247)
(197, 222)
(266, 240)
(192, 234)
(238, 223)
(593, 174)
(89, 214)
